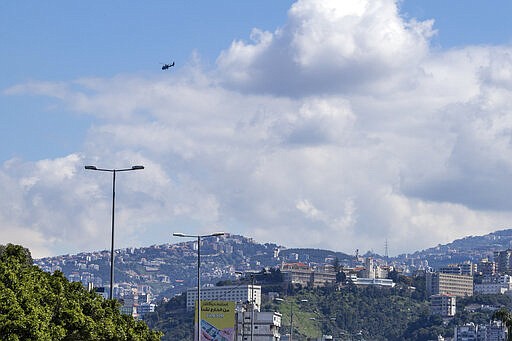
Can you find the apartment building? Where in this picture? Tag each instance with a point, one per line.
(493, 331)
(466, 268)
(442, 283)
(264, 328)
(444, 305)
(503, 260)
(232, 293)
(497, 284)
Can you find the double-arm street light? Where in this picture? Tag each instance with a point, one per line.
(216, 234)
(113, 171)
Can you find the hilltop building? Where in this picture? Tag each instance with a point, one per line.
(382, 282)
(303, 274)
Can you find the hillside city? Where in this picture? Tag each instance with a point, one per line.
(148, 276)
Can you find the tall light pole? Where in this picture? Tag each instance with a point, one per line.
(216, 234)
(252, 305)
(291, 314)
(113, 171)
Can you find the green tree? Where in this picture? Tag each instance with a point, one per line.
(35, 305)
(173, 319)
(505, 316)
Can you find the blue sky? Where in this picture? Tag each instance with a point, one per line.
(354, 122)
(63, 41)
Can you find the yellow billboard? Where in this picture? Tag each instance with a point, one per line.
(217, 321)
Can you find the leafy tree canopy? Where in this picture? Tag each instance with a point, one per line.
(35, 305)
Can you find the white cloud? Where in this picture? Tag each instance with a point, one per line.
(341, 126)
(327, 47)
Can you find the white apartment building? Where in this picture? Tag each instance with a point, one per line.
(443, 283)
(233, 293)
(264, 328)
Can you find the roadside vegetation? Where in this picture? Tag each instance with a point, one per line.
(35, 305)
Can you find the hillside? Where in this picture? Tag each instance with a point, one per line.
(351, 313)
(169, 269)
(472, 248)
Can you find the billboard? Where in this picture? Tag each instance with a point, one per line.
(217, 321)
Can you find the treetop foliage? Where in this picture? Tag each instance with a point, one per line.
(35, 305)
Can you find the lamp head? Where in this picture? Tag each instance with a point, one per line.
(137, 167)
(91, 167)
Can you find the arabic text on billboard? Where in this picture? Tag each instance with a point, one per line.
(217, 320)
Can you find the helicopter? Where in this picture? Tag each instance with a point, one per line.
(166, 66)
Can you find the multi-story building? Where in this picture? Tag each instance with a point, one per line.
(296, 273)
(486, 267)
(490, 288)
(467, 332)
(443, 305)
(453, 269)
(503, 260)
(465, 268)
(494, 331)
(264, 327)
(234, 293)
(369, 269)
(442, 283)
(497, 284)
(144, 308)
(303, 274)
(323, 277)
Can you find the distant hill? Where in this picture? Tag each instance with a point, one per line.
(472, 248)
(170, 268)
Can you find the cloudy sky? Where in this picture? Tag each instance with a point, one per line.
(325, 124)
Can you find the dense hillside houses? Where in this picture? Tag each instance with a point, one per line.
(146, 276)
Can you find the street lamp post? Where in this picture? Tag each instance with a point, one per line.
(113, 171)
(252, 305)
(253, 300)
(291, 314)
(216, 234)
